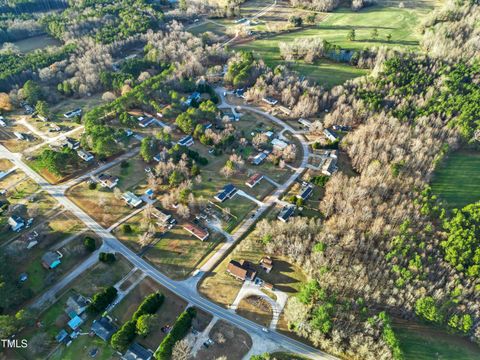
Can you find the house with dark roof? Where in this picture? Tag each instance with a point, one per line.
(186, 141)
(286, 213)
(197, 231)
(76, 304)
(241, 270)
(227, 192)
(103, 328)
(72, 143)
(329, 167)
(16, 223)
(305, 192)
(51, 259)
(73, 113)
(137, 352)
(254, 180)
(258, 159)
(330, 134)
(62, 337)
(107, 180)
(195, 96)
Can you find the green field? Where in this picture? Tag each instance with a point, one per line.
(457, 179)
(421, 342)
(401, 24)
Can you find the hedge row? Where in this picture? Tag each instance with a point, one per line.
(178, 332)
(125, 335)
(102, 299)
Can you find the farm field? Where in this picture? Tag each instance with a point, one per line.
(456, 179)
(402, 26)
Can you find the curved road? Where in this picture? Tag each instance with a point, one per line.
(186, 289)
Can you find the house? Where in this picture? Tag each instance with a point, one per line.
(254, 180)
(284, 109)
(337, 127)
(43, 118)
(286, 213)
(329, 166)
(161, 157)
(242, 270)
(28, 109)
(145, 121)
(268, 134)
(76, 304)
(162, 217)
(305, 192)
(62, 337)
(227, 192)
(51, 259)
(330, 135)
(279, 144)
(73, 113)
(131, 199)
(137, 352)
(71, 143)
(19, 135)
(103, 328)
(270, 101)
(305, 122)
(266, 263)
(16, 223)
(107, 180)
(186, 141)
(258, 159)
(54, 128)
(149, 193)
(197, 231)
(85, 155)
(193, 97)
(75, 323)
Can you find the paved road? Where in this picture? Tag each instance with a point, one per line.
(183, 289)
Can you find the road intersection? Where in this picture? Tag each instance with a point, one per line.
(186, 289)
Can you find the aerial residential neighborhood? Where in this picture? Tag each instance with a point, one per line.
(251, 180)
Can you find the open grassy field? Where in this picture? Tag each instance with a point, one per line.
(457, 179)
(420, 342)
(36, 42)
(401, 24)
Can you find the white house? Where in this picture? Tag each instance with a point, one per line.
(85, 155)
(279, 144)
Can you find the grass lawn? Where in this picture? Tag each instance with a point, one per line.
(101, 275)
(177, 253)
(456, 180)
(256, 309)
(86, 103)
(284, 276)
(208, 26)
(229, 341)
(5, 165)
(101, 203)
(167, 314)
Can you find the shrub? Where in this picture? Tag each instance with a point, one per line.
(92, 186)
(102, 299)
(123, 337)
(178, 332)
(89, 244)
(149, 305)
(108, 258)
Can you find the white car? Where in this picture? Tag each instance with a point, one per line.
(264, 329)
